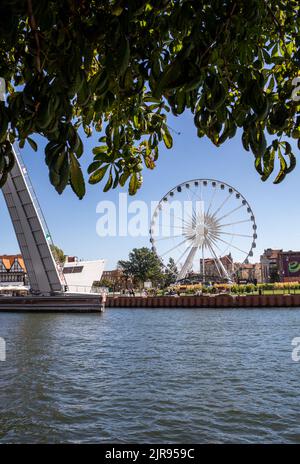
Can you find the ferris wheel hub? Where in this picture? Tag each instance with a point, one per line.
(202, 230)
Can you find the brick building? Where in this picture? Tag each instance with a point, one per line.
(248, 272)
(211, 268)
(270, 265)
(116, 279)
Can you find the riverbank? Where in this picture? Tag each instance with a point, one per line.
(205, 301)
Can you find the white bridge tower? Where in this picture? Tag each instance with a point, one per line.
(31, 230)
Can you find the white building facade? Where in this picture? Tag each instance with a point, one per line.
(80, 275)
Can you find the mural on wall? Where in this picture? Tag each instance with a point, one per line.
(291, 265)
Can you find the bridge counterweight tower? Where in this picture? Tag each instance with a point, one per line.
(41, 268)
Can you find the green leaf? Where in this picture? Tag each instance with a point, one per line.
(109, 182)
(167, 138)
(64, 173)
(268, 160)
(173, 76)
(123, 56)
(79, 147)
(93, 166)
(291, 156)
(123, 178)
(32, 143)
(133, 184)
(98, 175)
(105, 158)
(99, 150)
(76, 177)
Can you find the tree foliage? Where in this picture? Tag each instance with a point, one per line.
(170, 273)
(58, 255)
(118, 67)
(142, 265)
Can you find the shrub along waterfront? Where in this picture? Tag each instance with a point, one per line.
(235, 289)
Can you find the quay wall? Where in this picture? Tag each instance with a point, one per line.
(205, 301)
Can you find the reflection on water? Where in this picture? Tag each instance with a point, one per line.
(142, 375)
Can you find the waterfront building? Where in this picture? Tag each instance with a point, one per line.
(80, 276)
(248, 272)
(116, 279)
(71, 259)
(212, 267)
(289, 266)
(280, 266)
(12, 270)
(270, 265)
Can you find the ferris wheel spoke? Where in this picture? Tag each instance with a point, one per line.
(214, 242)
(236, 222)
(188, 191)
(235, 235)
(201, 191)
(179, 219)
(214, 245)
(230, 212)
(184, 220)
(222, 204)
(196, 190)
(196, 195)
(181, 256)
(195, 204)
(211, 200)
(191, 217)
(233, 246)
(176, 246)
(173, 227)
(171, 237)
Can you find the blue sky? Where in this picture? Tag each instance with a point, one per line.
(73, 222)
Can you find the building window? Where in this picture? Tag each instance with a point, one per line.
(16, 267)
(2, 267)
(72, 269)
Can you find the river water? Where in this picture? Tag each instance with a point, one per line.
(150, 376)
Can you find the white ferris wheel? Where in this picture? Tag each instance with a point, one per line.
(204, 224)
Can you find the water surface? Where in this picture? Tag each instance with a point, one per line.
(150, 376)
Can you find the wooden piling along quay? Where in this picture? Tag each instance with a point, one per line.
(205, 301)
(64, 303)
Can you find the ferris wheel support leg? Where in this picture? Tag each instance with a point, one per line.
(188, 263)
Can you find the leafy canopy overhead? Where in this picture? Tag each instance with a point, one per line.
(119, 67)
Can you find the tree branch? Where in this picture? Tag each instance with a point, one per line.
(33, 27)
